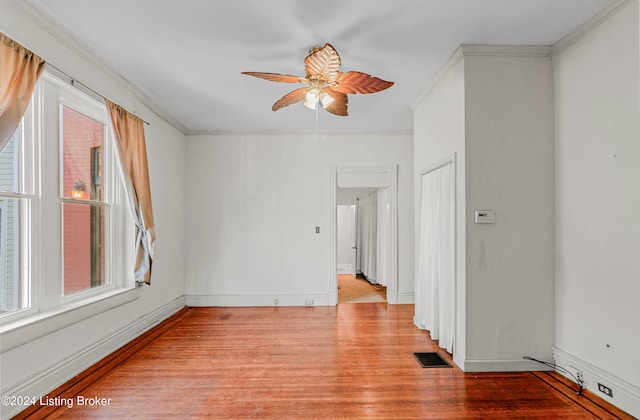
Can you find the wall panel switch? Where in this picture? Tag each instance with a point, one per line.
(485, 216)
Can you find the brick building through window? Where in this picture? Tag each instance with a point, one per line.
(84, 223)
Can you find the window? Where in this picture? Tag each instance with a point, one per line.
(83, 201)
(66, 236)
(15, 203)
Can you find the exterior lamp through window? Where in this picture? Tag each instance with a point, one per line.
(78, 190)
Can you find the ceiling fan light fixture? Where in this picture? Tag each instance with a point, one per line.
(325, 99)
(311, 98)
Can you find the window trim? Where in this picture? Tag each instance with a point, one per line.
(28, 329)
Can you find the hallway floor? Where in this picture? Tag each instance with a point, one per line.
(358, 290)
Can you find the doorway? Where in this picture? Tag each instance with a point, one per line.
(361, 245)
(373, 192)
(436, 275)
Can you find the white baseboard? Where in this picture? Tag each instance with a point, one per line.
(405, 298)
(282, 299)
(518, 365)
(258, 300)
(55, 375)
(626, 396)
(345, 269)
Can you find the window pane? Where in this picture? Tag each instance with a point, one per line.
(84, 246)
(13, 291)
(83, 160)
(9, 179)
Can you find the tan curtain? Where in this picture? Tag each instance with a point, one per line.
(129, 133)
(19, 72)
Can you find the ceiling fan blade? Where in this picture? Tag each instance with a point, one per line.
(340, 103)
(323, 63)
(275, 77)
(356, 82)
(292, 97)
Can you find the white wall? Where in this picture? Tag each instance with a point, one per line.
(510, 169)
(440, 133)
(493, 108)
(350, 195)
(255, 201)
(38, 366)
(598, 203)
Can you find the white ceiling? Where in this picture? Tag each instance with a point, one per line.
(187, 55)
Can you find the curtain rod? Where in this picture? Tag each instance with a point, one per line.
(73, 82)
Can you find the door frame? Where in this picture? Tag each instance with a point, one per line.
(363, 176)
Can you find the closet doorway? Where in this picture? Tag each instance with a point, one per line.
(436, 275)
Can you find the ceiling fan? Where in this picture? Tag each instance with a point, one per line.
(324, 82)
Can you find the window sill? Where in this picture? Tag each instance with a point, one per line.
(17, 333)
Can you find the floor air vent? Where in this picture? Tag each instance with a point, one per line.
(431, 360)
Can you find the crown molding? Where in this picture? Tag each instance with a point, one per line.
(453, 61)
(589, 25)
(506, 50)
(483, 50)
(311, 133)
(84, 52)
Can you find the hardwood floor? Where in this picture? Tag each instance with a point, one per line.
(349, 361)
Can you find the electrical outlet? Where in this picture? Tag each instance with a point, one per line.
(605, 390)
(308, 302)
(579, 375)
(276, 301)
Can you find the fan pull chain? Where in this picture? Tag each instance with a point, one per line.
(317, 119)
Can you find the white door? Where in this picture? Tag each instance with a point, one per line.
(352, 238)
(346, 249)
